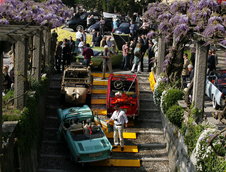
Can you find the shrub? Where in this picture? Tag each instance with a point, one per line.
(175, 115)
(191, 132)
(196, 114)
(206, 158)
(170, 98)
(160, 86)
(8, 96)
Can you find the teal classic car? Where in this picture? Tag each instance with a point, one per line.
(85, 139)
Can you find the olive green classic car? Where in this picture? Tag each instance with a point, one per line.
(97, 59)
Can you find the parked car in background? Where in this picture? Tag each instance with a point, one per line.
(96, 26)
(76, 85)
(124, 91)
(122, 29)
(216, 88)
(80, 20)
(85, 139)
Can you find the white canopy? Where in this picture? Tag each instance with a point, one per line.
(109, 15)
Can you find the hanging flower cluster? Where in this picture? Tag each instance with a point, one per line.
(52, 13)
(181, 19)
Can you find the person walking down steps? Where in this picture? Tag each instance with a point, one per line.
(120, 120)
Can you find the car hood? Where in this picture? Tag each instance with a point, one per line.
(92, 145)
(75, 90)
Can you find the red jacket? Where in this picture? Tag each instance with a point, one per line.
(87, 53)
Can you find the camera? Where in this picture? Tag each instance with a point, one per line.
(116, 120)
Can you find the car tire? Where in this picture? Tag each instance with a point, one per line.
(62, 99)
(215, 105)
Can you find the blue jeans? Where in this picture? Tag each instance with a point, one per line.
(125, 62)
(86, 62)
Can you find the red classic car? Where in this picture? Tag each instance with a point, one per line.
(123, 90)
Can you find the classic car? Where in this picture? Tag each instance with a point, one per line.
(123, 28)
(96, 26)
(85, 138)
(216, 88)
(79, 20)
(76, 85)
(123, 90)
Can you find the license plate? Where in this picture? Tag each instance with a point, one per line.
(95, 154)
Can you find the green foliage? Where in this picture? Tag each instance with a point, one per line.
(191, 132)
(196, 113)
(175, 115)
(29, 129)
(159, 88)
(11, 114)
(8, 96)
(170, 98)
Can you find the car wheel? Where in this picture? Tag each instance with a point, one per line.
(88, 100)
(62, 98)
(215, 105)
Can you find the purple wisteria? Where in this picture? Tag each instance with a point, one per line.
(52, 13)
(180, 19)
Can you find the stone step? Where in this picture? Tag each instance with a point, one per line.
(152, 146)
(149, 120)
(53, 170)
(150, 110)
(145, 131)
(144, 82)
(99, 96)
(99, 87)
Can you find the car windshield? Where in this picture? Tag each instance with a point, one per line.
(83, 16)
(123, 85)
(124, 25)
(86, 133)
(76, 74)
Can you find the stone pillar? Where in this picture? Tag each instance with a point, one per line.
(161, 55)
(1, 65)
(36, 62)
(200, 75)
(21, 53)
(47, 40)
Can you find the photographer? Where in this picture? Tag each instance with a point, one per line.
(120, 119)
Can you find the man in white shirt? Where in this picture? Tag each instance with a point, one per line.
(79, 35)
(120, 120)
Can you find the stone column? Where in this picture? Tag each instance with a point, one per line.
(1, 65)
(161, 55)
(36, 62)
(200, 75)
(47, 40)
(21, 53)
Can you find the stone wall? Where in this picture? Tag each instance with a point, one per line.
(177, 150)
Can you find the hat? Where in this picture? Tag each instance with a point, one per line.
(190, 66)
(105, 46)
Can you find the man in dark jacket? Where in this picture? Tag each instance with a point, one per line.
(144, 48)
(211, 62)
(87, 53)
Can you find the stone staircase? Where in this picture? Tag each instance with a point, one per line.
(55, 156)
